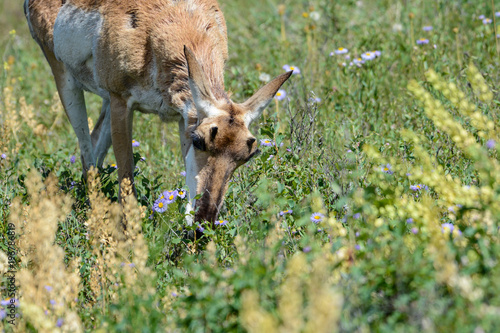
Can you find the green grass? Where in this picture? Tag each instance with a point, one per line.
(364, 264)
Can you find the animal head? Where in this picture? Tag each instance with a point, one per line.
(221, 138)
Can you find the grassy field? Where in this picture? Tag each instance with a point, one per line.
(376, 208)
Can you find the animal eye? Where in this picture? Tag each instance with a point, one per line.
(213, 132)
(198, 142)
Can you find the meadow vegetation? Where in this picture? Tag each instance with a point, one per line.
(374, 205)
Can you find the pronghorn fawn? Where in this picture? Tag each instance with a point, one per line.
(156, 56)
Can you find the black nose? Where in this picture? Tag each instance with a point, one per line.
(250, 142)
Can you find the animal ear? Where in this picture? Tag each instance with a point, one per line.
(203, 98)
(258, 102)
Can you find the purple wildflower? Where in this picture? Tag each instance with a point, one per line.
(183, 173)
(427, 28)
(418, 187)
(357, 247)
(340, 50)
(317, 217)
(368, 56)
(181, 193)
(135, 143)
(447, 227)
(422, 41)
(160, 205)
(284, 212)
(356, 216)
(280, 95)
(414, 230)
(307, 249)
(409, 220)
(490, 144)
(387, 169)
(487, 21)
(48, 288)
(266, 142)
(170, 196)
(200, 228)
(288, 68)
(221, 222)
(60, 322)
(72, 159)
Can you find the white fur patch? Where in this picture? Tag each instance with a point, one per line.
(192, 171)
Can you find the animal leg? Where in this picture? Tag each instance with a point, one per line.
(121, 135)
(101, 135)
(73, 101)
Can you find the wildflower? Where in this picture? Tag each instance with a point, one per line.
(377, 53)
(60, 322)
(264, 77)
(3, 314)
(266, 142)
(114, 166)
(270, 157)
(418, 187)
(497, 14)
(427, 28)
(487, 21)
(315, 100)
(284, 212)
(221, 222)
(135, 143)
(315, 15)
(340, 50)
(447, 228)
(72, 159)
(170, 196)
(307, 249)
(280, 95)
(295, 69)
(490, 144)
(200, 228)
(349, 151)
(409, 220)
(52, 302)
(358, 62)
(183, 173)
(422, 41)
(131, 264)
(356, 216)
(368, 56)
(357, 247)
(397, 27)
(48, 288)
(181, 193)
(317, 217)
(387, 169)
(160, 205)
(414, 230)
(481, 17)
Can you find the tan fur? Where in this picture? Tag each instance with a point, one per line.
(43, 16)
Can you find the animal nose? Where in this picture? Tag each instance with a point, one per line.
(250, 142)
